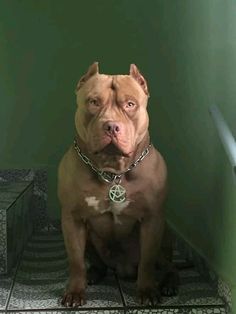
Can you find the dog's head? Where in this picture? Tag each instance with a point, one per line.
(111, 117)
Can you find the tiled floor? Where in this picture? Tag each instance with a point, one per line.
(42, 273)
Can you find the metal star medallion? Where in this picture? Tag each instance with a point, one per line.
(117, 193)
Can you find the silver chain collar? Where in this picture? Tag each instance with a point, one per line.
(107, 176)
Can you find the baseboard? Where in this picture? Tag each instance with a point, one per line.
(204, 266)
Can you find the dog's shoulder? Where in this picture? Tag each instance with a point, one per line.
(155, 168)
(158, 177)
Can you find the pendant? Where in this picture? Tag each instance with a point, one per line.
(117, 193)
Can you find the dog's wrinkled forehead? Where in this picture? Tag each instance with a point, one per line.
(105, 86)
(98, 83)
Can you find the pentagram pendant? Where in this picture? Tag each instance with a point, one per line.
(117, 193)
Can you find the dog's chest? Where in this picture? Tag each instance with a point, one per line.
(101, 207)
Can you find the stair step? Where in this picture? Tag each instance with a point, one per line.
(42, 276)
(15, 221)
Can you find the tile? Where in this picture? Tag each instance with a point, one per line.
(14, 174)
(90, 311)
(14, 212)
(10, 190)
(105, 294)
(47, 237)
(32, 294)
(193, 290)
(212, 310)
(3, 242)
(45, 248)
(44, 255)
(55, 245)
(190, 274)
(43, 274)
(221, 287)
(39, 281)
(44, 265)
(180, 310)
(45, 243)
(225, 292)
(39, 199)
(133, 311)
(6, 282)
(154, 311)
(129, 293)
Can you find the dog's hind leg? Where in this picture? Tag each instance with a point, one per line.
(96, 270)
(170, 277)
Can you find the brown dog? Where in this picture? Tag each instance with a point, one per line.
(112, 184)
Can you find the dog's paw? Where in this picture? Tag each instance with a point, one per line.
(73, 299)
(169, 285)
(149, 296)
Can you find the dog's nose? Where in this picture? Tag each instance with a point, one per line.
(111, 127)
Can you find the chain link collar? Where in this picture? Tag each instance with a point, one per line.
(107, 176)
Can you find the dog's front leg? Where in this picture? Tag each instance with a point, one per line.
(151, 232)
(75, 241)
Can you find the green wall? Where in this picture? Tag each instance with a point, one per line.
(45, 48)
(194, 62)
(187, 51)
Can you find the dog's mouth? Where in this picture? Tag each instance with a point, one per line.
(112, 150)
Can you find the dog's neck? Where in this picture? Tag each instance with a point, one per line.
(144, 143)
(128, 162)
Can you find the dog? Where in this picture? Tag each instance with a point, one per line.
(112, 184)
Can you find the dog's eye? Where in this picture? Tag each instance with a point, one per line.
(93, 105)
(130, 105)
(93, 102)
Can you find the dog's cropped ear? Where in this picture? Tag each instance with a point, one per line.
(135, 73)
(92, 70)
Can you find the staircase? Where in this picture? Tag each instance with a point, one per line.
(15, 221)
(35, 280)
